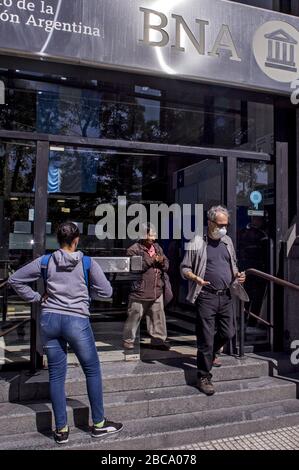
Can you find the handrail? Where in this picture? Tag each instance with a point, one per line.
(260, 319)
(3, 284)
(13, 328)
(269, 277)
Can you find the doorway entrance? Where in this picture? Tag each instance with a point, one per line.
(47, 181)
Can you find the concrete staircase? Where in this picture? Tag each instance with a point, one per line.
(157, 402)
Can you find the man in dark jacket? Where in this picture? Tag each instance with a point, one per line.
(146, 297)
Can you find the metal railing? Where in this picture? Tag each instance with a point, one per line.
(273, 280)
(13, 328)
(3, 297)
(3, 284)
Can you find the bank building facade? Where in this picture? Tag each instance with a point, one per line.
(194, 102)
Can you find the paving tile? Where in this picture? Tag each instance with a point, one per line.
(277, 439)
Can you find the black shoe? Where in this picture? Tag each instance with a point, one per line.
(164, 346)
(61, 437)
(109, 427)
(205, 386)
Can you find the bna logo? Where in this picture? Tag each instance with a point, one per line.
(275, 47)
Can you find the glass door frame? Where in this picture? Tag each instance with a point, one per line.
(43, 143)
(16, 193)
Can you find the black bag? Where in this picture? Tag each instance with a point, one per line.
(167, 289)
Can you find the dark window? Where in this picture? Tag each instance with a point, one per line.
(294, 7)
(290, 7)
(19, 112)
(180, 113)
(267, 4)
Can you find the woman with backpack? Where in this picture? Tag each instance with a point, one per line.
(69, 278)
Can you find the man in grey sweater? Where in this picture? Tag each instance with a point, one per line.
(210, 266)
(65, 320)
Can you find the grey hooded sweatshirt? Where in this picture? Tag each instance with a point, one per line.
(66, 288)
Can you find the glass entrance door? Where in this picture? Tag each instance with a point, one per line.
(81, 180)
(17, 194)
(256, 235)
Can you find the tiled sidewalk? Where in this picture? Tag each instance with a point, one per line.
(278, 439)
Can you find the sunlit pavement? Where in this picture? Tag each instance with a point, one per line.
(278, 439)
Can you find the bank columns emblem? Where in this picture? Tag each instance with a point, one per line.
(281, 51)
(276, 50)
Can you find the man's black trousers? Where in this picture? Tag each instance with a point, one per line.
(214, 327)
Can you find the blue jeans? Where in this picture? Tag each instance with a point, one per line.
(56, 331)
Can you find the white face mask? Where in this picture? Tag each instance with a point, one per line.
(219, 233)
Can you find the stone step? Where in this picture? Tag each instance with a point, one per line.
(179, 325)
(32, 416)
(125, 376)
(279, 362)
(294, 376)
(187, 399)
(164, 432)
(188, 315)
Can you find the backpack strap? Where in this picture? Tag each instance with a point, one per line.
(44, 268)
(86, 262)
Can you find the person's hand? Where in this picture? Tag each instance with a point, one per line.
(201, 282)
(241, 277)
(159, 259)
(44, 298)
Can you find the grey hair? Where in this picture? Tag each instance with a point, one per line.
(212, 213)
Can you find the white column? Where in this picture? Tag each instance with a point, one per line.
(270, 49)
(277, 50)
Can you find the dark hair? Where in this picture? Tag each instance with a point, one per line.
(66, 233)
